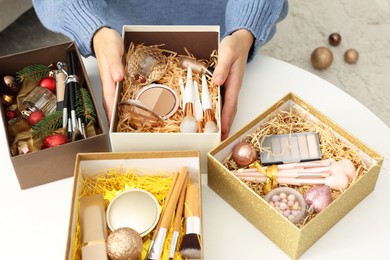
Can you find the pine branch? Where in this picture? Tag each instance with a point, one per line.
(47, 125)
(33, 72)
(84, 105)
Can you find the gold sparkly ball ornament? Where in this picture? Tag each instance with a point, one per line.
(321, 58)
(334, 39)
(351, 56)
(124, 244)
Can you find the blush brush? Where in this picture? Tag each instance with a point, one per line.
(190, 246)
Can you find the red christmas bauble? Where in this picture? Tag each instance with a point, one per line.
(11, 114)
(49, 83)
(35, 117)
(54, 140)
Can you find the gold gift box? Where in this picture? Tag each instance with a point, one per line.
(294, 241)
(93, 164)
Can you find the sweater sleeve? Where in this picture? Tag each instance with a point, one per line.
(257, 16)
(77, 19)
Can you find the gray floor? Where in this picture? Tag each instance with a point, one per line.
(364, 25)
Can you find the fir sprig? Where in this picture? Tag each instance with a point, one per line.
(33, 72)
(84, 105)
(47, 125)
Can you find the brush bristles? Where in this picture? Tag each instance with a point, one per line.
(190, 246)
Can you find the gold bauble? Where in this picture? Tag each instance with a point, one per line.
(321, 58)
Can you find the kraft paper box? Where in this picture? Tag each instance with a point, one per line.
(144, 163)
(294, 241)
(48, 165)
(200, 41)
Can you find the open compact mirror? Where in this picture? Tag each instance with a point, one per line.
(160, 99)
(154, 102)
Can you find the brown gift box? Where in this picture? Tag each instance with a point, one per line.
(92, 164)
(292, 240)
(200, 41)
(44, 166)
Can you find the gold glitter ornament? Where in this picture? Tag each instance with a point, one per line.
(351, 56)
(321, 58)
(124, 244)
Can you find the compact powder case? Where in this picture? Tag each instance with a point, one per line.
(135, 208)
(288, 148)
(160, 99)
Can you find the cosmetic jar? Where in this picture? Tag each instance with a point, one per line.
(289, 202)
(135, 208)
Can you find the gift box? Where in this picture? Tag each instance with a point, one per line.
(51, 164)
(293, 239)
(199, 41)
(108, 173)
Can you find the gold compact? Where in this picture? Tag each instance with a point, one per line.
(159, 98)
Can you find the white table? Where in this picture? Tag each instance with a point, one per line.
(34, 222)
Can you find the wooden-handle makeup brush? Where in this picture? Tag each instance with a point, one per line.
(157, 247)
(177, 220)
(190, 246)
(174, 180)
(209, 126)
(198, 108)
(188, 125)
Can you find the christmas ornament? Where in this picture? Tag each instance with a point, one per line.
(124, 244)
(321, 58)
(334, 39)
(35, 117)
(9, 88)
(318, 197)
(11, 114)
(48, 82)
(351, 56)
(244, 154)
(54, 140)
(47, 125)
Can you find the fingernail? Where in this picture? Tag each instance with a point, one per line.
(219, 79)
(117, 76)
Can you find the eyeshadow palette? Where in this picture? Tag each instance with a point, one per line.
(289, 148)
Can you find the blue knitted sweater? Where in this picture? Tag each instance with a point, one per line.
(80, 19)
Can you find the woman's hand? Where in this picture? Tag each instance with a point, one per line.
(108, 47)
(232, 59)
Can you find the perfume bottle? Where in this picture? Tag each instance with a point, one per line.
(9, 89)
(40, 99)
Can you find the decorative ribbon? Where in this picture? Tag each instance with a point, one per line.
(270, 176)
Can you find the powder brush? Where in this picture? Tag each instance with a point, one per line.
(190, 246)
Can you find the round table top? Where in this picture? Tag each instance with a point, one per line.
(35, 221)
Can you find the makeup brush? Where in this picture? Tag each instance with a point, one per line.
(181, 84)
(177, 221)
(196, 65)
(157, 247)
(198, 108)
(335, 182)
(188, 125)
(190, 246)
(174, 180)
(210, 125)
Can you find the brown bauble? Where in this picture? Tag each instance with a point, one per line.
(334, 39)
(321, 58)
(351, 56)
(124, 244)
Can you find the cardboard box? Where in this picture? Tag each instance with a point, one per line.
(92, 164)
(293, 240)
(200, 41)
(44, 166)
